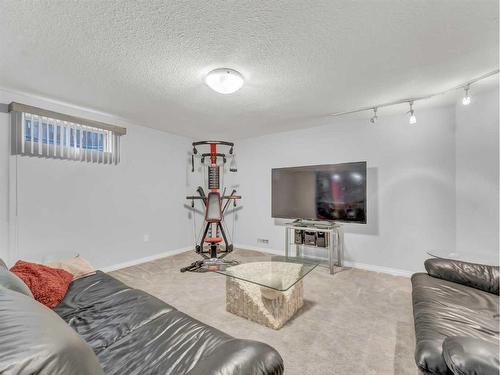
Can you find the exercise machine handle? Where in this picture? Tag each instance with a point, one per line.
(194, 197)
(212, 143)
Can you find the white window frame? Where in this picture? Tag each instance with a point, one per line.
(41, 133)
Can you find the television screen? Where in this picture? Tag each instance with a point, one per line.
(335, 192)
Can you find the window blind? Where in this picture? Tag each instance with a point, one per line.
(42, 133)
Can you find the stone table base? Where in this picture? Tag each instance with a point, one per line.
(263, 305)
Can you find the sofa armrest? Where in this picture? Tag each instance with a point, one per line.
(34, 340)
(240, 357)
(479, 276)
(471, 356)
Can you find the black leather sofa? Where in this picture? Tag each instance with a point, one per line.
(124, 330)
(456, 313)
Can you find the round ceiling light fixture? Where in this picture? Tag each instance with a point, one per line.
(224, 80)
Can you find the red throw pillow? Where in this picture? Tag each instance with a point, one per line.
(48, 285)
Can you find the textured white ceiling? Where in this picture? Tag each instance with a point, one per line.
(145, 61)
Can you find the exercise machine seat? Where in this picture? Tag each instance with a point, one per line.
(214, 239)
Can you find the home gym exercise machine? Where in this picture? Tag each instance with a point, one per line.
(214, 244)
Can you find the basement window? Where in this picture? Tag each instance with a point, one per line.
(36, 132)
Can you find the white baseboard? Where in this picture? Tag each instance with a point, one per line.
(261, 249)
(362, 266)
(381, 269)
(150, 258)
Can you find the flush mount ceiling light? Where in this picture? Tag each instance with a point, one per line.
(224, 80)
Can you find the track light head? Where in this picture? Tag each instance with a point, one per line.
(374, 118)
(466, 98)
(232, 166)
(413, 118)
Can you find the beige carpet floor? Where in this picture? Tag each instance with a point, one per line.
(355, 322)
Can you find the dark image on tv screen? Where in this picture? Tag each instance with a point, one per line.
(335, 192)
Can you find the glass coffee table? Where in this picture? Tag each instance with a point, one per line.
(266, 289)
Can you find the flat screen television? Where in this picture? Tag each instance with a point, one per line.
(334, 192)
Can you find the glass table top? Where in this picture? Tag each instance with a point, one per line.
(271, 271)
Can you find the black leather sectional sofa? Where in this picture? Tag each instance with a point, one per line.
(124, 330)
(456, 312)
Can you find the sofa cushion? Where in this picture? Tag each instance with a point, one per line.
(174, 341)
(479, 276)
(87, 291)
(103, 310)
(179, 344)
(11, 281)
(133, 332)
(260, 359)
(34, 340)
(441, 309)
(471, 356)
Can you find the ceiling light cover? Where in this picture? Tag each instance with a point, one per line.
(224, 80)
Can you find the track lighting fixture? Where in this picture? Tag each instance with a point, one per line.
(466, 99)
(411, 100)
(374, 118)
(413, 119)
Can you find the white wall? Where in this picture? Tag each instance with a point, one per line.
(99, 211)
(411, 184)
(477, 172)
(430, 186)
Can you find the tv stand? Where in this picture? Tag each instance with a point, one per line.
(316, 234)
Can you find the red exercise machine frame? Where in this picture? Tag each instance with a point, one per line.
(215, 203)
